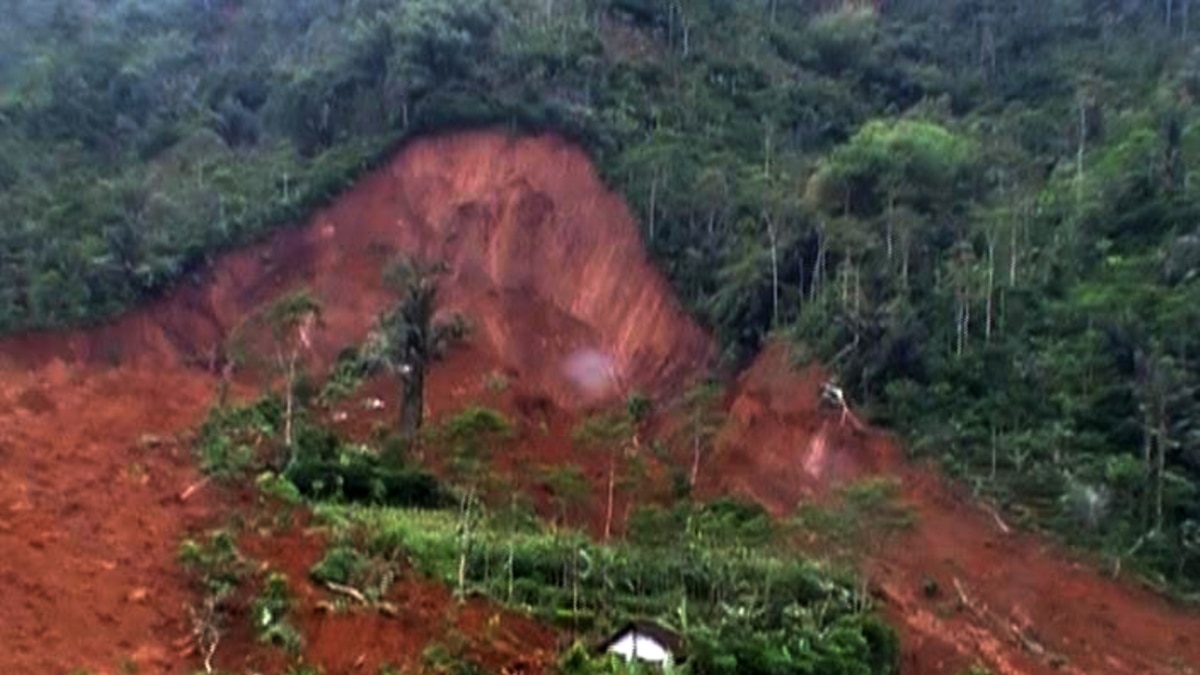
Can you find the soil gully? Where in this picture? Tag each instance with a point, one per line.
(546, 264)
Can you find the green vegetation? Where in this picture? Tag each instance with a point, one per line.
(232, 439)
(745, 604)
(407, 340)
(863, 512)
(269, 611)
(724, 573)
(218, 569)
(982, 214)
(237, 441)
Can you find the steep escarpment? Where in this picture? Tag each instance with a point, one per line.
(544, 261)
(547, 266)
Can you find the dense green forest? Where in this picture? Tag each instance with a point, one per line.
(979, 212)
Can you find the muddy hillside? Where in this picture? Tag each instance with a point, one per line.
(547, 266)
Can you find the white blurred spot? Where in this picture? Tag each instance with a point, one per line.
(592, 372)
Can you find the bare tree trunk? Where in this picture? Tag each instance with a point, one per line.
(857, 288)
(766, 147)
(890, 213)
(653, 202)
(670, 24)
(994, 444)
(966, 317)
(1012, 251)
(464, 546)
(991, 285)
(989, 49)
(961, 320)
(511, 556)
(1079, 153)
(289, 404)
(844, 273)
(773, 235)
(695, 457)
(1160, 467)
(612, 482)
(818, 267)
(413, 404)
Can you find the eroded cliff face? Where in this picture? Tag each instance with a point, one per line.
(545, 262)
(548, 267)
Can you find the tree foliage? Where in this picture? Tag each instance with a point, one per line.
(983, 215)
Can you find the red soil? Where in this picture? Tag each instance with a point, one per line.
(361, 639)
(545, 262)
(1030, 606)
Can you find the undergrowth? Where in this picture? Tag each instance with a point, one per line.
(729, 593)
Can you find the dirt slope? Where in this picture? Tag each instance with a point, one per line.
(1029, 606)
(547, 265)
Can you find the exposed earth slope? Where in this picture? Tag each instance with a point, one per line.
(546, 264)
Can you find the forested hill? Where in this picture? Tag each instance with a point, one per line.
(981, 213)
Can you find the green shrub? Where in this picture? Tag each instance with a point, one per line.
(280, 488)
(268, 612)
(216, 562)
(230, 438)
(340, 565)
(360, 478)
(639, 406)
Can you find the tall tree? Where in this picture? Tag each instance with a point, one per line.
(408, 339)
(292, 320)
(471, 435)
(611, 433)
(703, 420)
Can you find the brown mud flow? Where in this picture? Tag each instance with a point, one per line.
(546, 264)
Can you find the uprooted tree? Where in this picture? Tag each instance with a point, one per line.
(408, 340)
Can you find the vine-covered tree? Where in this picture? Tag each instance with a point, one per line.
(409, 339)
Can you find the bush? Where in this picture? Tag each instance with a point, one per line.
(340, 565)
(639, 406)
(269, 611)
(230, 438)
(360, 478)
(216, 562)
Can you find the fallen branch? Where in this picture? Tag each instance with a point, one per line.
(1132, 550)
(1031, 645)
(999, 522)
(192, 489)
(206, 631)
(962, 595)
(347, 590)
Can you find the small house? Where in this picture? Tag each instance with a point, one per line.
(645, 641)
